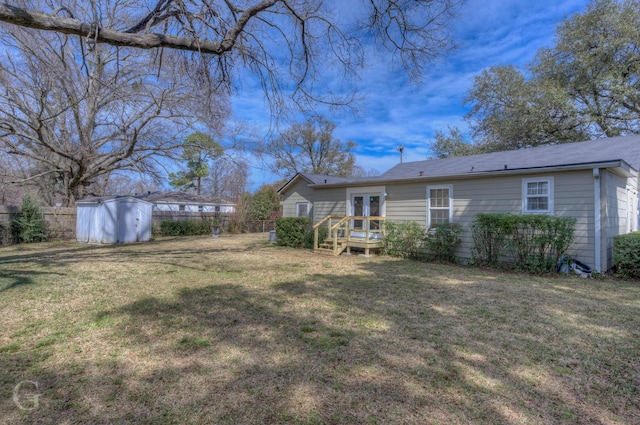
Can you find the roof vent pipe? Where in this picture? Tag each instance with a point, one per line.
(421, 173)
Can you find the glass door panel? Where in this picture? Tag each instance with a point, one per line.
(374, 211)
(358, 210)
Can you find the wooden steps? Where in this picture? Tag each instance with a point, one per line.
(326, 247)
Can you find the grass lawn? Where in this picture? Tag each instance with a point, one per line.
(233, 330)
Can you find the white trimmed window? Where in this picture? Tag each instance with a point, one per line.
(439, 205)
(302, 209)
(537, 195)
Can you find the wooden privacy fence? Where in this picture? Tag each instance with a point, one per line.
(61, 222)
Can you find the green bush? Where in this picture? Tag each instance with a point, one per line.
(489, 233)
(626, 254)
(308, 237)
(442, 241)
(5, 234)
(294, 231)
(410, 240)
(534, 243)
(404, 240)
(185, 227)
(28, 225)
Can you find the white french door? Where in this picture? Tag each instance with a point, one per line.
(365, 205)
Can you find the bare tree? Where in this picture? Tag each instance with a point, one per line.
(73, 113)
(286, 44)
(10, 193)
(227, 178)
(124, 183)
(89, 87)
(310, 147)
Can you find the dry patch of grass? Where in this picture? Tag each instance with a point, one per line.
(234, 330)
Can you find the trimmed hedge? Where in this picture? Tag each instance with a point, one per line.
(626, 254)
(404, 240)
(186, 227)
(410, 240)
(534, 242)
(294, 232)
(442, 241)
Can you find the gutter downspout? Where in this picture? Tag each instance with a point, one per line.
(597, 218)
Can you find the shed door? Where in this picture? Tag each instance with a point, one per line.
(128, 222)
(632, 209)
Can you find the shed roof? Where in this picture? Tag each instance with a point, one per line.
(110, 198)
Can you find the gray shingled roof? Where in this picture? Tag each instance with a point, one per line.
(180, 197)
(623, 148)
(322, 179)
(626, 148)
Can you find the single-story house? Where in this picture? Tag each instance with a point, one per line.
(113, 219)
(180, 201)
(596, 182)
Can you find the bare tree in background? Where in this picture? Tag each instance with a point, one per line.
(91, 87)
(128, 184)
(286, 44)
(10, 193)
(310, 147)
(72, 113)
(227, 178)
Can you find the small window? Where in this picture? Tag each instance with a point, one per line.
(439, 205)
(200, 208)
(217, 208)
(537, 195)
(302, 209)
(181, 208)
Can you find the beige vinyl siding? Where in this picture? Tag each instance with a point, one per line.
(573, 197)
(298, 192)
(485, 195)
(407, 202)
(329, 202)
(616, 210)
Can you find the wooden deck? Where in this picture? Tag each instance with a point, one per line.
(346, 232)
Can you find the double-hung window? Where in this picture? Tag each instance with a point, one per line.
(537, 195)
(439, 205)
(302, 209)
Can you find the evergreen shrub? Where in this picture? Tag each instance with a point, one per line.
(626, 254)
(533, 243)
(185, 227)
(294, 231)
(28, 225)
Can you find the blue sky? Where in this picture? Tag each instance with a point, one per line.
(395, 112)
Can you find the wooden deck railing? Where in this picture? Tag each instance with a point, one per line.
(343, 234)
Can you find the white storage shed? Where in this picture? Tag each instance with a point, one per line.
(113, 219)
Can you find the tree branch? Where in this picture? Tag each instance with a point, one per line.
(44, 21)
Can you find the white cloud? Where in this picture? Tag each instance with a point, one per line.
(394, 112)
